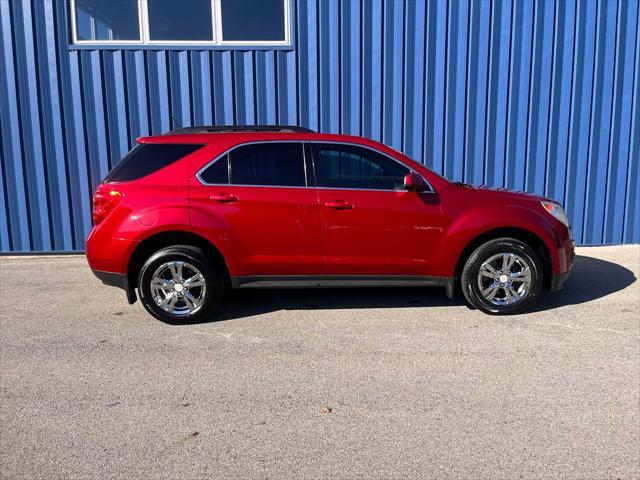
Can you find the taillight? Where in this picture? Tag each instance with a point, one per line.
(104, 200)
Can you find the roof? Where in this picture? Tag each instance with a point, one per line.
(238, 129)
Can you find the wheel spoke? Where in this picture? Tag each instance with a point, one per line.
(486, 267)
(176, 270)
(195, 281)
(172, 303)
(513, 293)
(168, 301)
(508, 296)
(507, 261)
(490, 291)
(487, 273)
(160, 283)
(190, 301)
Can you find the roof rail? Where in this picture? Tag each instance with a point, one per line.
(240, 128)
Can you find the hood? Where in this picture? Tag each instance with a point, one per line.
(505, 192)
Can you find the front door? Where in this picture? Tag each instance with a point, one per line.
(370, 224)
(255, 202)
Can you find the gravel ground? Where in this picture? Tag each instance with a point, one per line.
(362, 383)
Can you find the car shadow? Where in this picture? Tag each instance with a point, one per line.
(591, 279)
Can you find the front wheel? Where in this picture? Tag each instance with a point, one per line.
(178, 285)
(502, 276)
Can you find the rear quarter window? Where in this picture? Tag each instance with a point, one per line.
(148, 158)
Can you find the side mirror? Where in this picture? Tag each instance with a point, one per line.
(414, 183)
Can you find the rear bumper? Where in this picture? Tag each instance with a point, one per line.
(119, 280)
(112, 279)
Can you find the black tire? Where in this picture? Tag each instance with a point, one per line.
(470, 277)
(192, 256)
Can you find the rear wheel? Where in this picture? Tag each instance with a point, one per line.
(502, 276)
(178, 285)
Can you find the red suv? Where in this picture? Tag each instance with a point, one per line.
(186, 215)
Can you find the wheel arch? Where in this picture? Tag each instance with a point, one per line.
(160, 240)
(526, 236)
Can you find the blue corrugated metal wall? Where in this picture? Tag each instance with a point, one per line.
(538, 96)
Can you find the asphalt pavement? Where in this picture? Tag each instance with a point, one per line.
(354, 383)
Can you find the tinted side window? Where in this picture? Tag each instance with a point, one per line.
(217, 173)
(252, 20)
(274, 164)
(348, 166)
(147, 158)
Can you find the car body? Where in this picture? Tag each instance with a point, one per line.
(320, 225)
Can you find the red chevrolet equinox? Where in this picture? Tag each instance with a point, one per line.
(187, 215)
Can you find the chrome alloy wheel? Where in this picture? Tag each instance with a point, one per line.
(504, 279)
(178, 288)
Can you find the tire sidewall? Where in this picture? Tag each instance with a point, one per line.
(193, 256)
(469, 278)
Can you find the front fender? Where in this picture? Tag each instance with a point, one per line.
(474, 223)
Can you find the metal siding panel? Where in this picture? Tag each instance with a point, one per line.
(81, 181)
(17, 204)
(619, 132)
(392, 76)
(434, 146)
(541, 96)
(522, 34)
(415, 19)
(560, 104)
(479, 55)
(28, 101)
(500, 95)
(54, 156)
(601, 118)
(579, 130)
(372, 69)
(544, 46)
(456, 87)
(351, 51)
(5, 243)
(632, 200)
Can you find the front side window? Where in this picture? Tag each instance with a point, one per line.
(180, 22)
(350, 166)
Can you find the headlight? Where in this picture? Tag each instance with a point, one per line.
(557, 211)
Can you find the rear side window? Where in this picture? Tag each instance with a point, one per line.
(218, 172)
(148, 158)
(271, 164)
(266, 164)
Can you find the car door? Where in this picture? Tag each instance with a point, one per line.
(370, 224)
(255, 202)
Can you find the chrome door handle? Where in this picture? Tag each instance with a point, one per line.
(339, 205)
(224, 198)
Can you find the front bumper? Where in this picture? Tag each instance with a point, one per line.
(558, 281)
(119, 280)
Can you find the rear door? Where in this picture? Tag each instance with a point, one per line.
(370, 224)
(256, 201)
